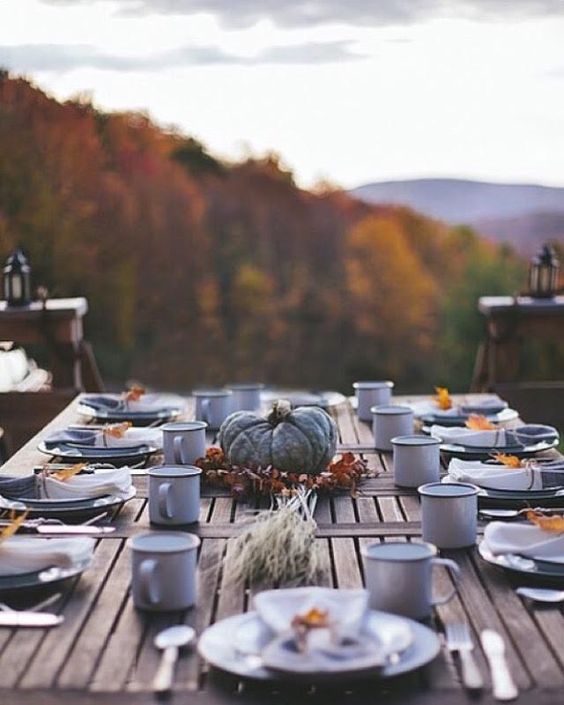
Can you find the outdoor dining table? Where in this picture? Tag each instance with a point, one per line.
(104, 652)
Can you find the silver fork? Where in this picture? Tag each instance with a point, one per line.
(458, 639)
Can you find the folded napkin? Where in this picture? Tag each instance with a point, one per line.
(488, 406)
(20, 555)
(534, 476)
(146, 404)
(524, 539)
(498, 438)
(347, 608)
(16, 487)
(113, 481)
(471, 438)
(340, 646)
(430, 408)
(96, 438)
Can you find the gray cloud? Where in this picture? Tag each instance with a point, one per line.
(298, 13)
(57, 57)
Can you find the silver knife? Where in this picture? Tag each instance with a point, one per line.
(74, 530)
(503, 685)
(22, 618)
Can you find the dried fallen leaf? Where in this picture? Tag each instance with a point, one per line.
(443, 399)
(65, 474)
(510, 461)
(477, 422)
(553, 524)
(11, 529)
(134, 393)
(116, 430)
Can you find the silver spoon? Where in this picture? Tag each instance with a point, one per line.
(170, 641)
(541, 594)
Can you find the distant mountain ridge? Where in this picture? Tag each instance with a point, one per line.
(524, 214)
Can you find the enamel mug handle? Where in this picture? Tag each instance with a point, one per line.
(165, 497)
(454, 571)
(180, 454)
(205, 410)
(148, 580)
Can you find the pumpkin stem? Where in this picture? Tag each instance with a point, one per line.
(280, 410)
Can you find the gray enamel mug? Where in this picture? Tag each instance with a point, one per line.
(213, 406)
(389, 422)
(174, 494)
(449, 513)
(417, 460)
(163, 570)
(184, 442)
(371, 393)
(399, 578)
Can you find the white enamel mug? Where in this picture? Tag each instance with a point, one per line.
(174, 494)
(389, 422)
(246, 397)
(399, 578)
(369, 394)
(184, 442)
(212, 406)
(417, 459)
(449, 513)
(164, 570)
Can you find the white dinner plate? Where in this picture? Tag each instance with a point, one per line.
(240, 655)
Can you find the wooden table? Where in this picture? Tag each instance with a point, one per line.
(509, 321)
(103, 652)
(57, 324)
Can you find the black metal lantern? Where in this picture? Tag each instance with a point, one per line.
(17, 279)
(543, 274)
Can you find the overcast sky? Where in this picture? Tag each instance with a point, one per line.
(348, 90)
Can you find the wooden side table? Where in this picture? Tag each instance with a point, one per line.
(58, 324)
(509, 320)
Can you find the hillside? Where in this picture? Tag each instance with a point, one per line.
(200, 271)
(521, 214)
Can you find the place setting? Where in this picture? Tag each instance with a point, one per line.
(70, 493)
(135, 404)
(443, 410)
(117, 443)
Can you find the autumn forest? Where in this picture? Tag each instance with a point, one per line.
(201, 271)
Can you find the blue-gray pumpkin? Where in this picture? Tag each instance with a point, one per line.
(300, 440)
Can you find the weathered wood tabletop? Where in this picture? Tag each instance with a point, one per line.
(104, 653)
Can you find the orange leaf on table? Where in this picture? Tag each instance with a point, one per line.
(65, 474)
(134, 393)
(510, 461)
(443, 398)
(477, 422)
(116, 430)
(11, 529)
(552, 524)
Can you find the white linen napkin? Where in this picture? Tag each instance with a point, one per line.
(468, 437)
(524, 539)
(489, 405)
(20, 555)
(429, 407)
(114, 481)
(499, 477)
(346, 608)
(131, 438)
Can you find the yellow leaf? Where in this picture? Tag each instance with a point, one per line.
(552, 524)
(510, 461)
(11, 529)
(443, 399)
(65, 474)
(479, 423)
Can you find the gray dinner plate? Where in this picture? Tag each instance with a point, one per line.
(523, 566)
(499, 417)
(218, 646)
(65, 508)
(42, 578)
(483, 453)
(75, 453)
(517, 499)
